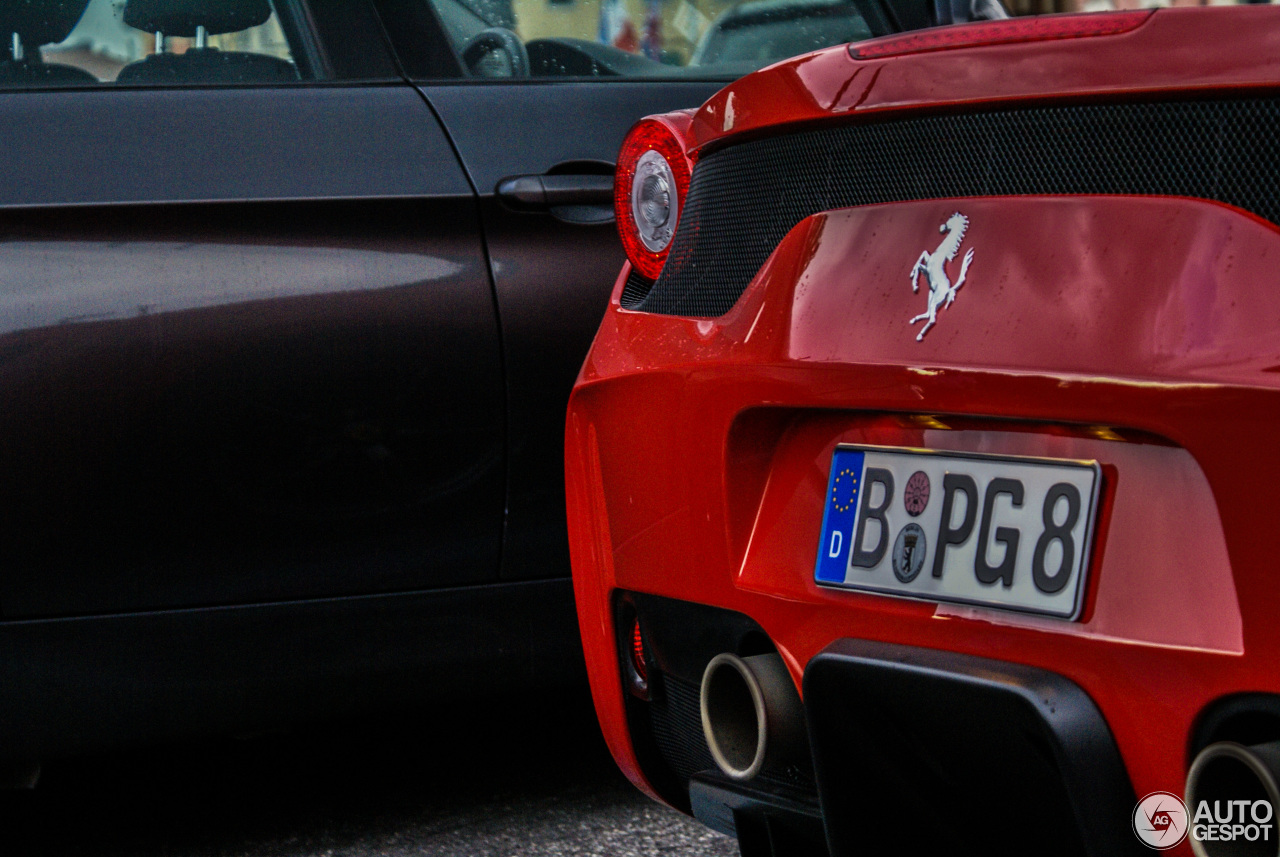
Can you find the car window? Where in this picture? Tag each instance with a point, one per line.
(639, 38)
(711, 39)
(150, 42)
(765, 30)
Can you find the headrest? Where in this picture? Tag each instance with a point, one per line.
(181, 17)
(40, 22)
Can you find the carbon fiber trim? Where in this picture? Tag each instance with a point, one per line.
(745, 198)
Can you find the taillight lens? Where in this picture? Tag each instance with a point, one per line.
(1045, 28)
(649, 190)
(638, 660)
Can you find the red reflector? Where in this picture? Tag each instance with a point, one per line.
(1044, 28)
(637, 652)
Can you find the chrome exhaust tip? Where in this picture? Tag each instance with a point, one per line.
(751, 715)
(1233, 795)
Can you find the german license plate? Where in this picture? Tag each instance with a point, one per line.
(1000, 531)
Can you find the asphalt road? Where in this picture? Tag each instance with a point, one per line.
(509, 777)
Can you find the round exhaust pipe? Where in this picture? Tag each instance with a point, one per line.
(751, 715)
(1233, 798)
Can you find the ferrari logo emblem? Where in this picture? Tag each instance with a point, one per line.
(934, 266)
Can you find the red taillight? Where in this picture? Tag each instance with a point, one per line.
(638, 662)
(1044, 28)
(649, 190)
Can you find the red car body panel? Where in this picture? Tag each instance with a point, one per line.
(1143, 332)
(1166, 53)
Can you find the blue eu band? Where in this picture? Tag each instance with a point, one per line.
(841, 513)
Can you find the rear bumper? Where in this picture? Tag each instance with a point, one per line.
(914, 750)
(1132, 332)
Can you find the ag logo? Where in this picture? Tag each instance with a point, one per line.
(1160, 820)
(934, 266)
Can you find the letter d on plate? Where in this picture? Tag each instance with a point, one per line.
(844, 491)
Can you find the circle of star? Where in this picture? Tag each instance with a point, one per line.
(835, 491)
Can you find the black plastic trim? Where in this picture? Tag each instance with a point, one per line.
(354, 42)
(921, 751)
(771, 824)
(418, 39)
(538, 193)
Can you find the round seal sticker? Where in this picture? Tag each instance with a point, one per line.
(1160, 820)
(908, 553)
(916, 495)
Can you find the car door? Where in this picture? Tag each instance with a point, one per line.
(553, 269)
(248, 345)
(544, 91)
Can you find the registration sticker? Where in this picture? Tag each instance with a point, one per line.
(1002, 531)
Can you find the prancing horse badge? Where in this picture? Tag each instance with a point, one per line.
(934, 266)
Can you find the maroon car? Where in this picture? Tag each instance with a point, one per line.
(292, 296)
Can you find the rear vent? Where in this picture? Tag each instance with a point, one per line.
(677, 728)
(745, 198)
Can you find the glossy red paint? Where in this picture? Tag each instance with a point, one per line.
(1141, 332)
(1040, 28)
(1166, 53)
(698, 449)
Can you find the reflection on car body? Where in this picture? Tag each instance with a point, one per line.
(850, 585)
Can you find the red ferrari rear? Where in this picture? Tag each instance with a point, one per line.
(941, 397)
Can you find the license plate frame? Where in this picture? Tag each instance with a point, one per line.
(884, 505)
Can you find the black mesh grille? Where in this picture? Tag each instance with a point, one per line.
(745, 198)
(676, 720)
(677, 728)
(634, 290)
